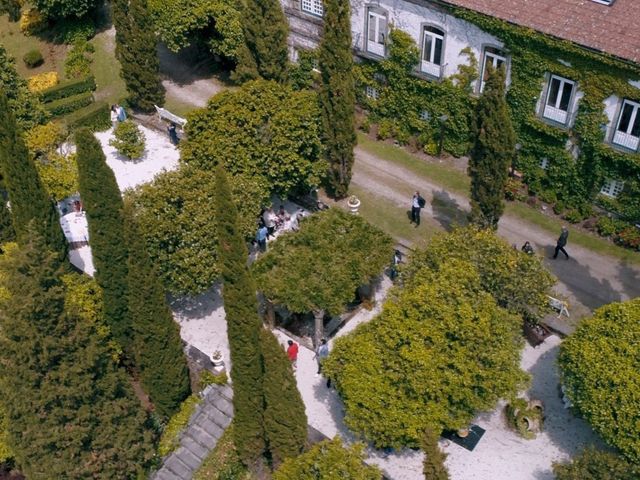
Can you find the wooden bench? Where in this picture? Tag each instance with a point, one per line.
(559, 306)
(165, 114)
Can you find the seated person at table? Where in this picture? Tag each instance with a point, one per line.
(281, 217)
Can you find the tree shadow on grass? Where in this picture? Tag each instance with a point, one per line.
(446, 210)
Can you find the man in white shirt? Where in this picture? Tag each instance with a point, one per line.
(417, 203)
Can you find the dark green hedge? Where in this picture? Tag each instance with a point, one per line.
(68, 88)
(95, 117)
(69, 104)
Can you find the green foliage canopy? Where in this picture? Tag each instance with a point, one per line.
(321, 266)
(493, 151)
(217, 22)
(517, 281)
(265, 130)
(65, 8)
(600, 365)
(157, 346)
(329, 459)
(592, 464)
(70, 412)
(103, 203)
(337, 95)
(440, 351)
(136, 51)
(176, 215)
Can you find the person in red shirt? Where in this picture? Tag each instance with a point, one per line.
(292, 352)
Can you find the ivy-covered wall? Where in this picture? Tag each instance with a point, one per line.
(579, 160)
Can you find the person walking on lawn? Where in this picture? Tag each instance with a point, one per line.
(417, 203)
(562, 242)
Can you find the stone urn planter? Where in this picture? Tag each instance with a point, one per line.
(354, 204)
(463, 432)
(218, 361)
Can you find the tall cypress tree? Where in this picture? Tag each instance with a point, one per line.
(492, 153)
(243, 329)
(103, 204)
(433, 466)
(157, 346)
(337, 95)
(136, 51)
(265, 31)
(7, 233)
(29, 200)
(70, 412)
(285, 422)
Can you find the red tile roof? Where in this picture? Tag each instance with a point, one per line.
(614, 29)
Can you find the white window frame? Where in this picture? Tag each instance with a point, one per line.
(625, 138)
(428, 63)
(371, 92)
(378, 45)
(314, 7)
(544, 163)
(495, 59)
(554, 111)
(612, 188)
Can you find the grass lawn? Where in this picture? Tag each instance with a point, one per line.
(456, 181)
(17, 44)
(177, 106)
(394, 220)
(106, 69)
(449, 177)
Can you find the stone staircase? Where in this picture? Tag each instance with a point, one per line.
(207, 424)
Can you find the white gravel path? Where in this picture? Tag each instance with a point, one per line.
(159, 155)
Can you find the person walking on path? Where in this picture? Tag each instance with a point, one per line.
(562, 242)
(322, 352)
(292, 353)
(173, 135)
(417, 203)
(261, 237)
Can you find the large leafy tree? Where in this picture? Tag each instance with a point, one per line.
(285, 422)
(265, 32)
(492, 153)
(217, 23)
(337, 95)
(440, 351)
(320, 267)
(103, 204)
(30, 204)
(26, 107)
(157, 346)
(243, 330)
(176, 215)
(136, 51)
(329, 459)
(65, 8)
(517, 281)
(600, 364)
(70, 413)
(265, 130)
(592, 464)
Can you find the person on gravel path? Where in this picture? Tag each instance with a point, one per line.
(562, 242)
(417, 203)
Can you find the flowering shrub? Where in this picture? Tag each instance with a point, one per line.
(42, 81)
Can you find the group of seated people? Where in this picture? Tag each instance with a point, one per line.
(270, 221)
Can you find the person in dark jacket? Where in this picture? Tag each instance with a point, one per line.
(562, 242)
(417, 203)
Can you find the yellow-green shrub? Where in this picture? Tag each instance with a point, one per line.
(170, 439)
(32, 21)
(42, 81)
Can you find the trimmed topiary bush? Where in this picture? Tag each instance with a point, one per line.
(600, 365)
(68, 88)
(128, 140)
(33, 58)
(95, 117)
(69, 104)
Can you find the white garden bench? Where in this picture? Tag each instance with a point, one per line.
(559, 306)
(165, 114)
